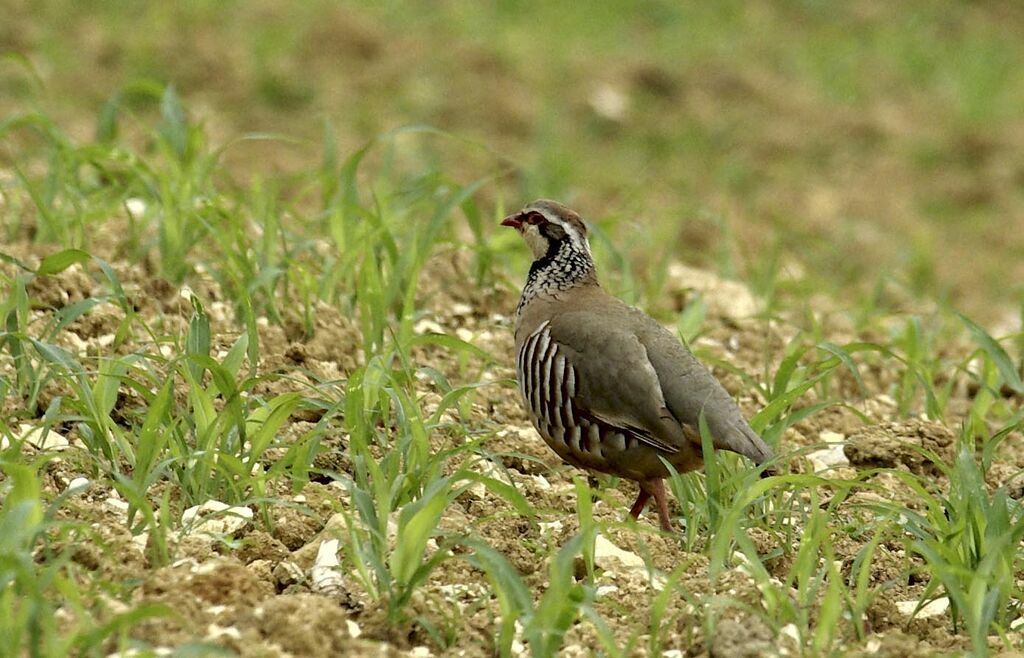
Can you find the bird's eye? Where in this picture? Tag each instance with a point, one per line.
(535, 218)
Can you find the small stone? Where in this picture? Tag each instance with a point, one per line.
(426, 326)
(141, 540)
(550, 526)
(41, 438)
(215, 519)
(116, 504)
(215, 632)
(353, 629)
(828, 458)
(931, 609)
(135, 206)
(78, 485)
(605, 551)
(489, 469)
(608, 102)
(287, 573)
(324, 575)
(831, 437)
(541, 482)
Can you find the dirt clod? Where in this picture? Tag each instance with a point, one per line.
(908, 445)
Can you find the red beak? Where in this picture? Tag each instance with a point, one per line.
(514, 221)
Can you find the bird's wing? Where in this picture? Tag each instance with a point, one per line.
(614, 379)
(690, 390)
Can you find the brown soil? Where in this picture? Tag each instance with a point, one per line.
(252, 592)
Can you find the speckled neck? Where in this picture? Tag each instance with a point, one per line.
(563, 267)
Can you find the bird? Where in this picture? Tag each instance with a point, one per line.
(606, 386)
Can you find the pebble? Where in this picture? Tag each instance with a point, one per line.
(215, 632)
(215, 518)
(931, 609)
(324, 575)
(39, 438)
(135, 206)
(78, 485)
(605, 551)
(116, 504)
(427, 326)
(609, 102)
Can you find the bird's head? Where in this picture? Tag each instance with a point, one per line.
(549, 228)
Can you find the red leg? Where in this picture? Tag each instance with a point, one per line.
(658, 489)
(641, 501)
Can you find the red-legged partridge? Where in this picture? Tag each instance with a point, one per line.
(607, 387)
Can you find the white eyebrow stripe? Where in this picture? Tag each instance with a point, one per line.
(574, 235)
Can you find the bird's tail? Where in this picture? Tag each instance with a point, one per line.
(743, 439)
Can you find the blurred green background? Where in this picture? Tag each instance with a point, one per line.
(865, 149)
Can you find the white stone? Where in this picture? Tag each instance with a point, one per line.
(205, 568)
(609, 102)
(830, 437)
(135, 653)
(215, 632)
(215, 519)
(873, 645)
(489, 469)
(541, 482)
(828, 458)
(42, 439)
(605, 551)
(464, 334)
(324, 576)
(458, 308)
(116, 504)
(78, 485)
(550, 526)
(353, 629)
(790, 631)
(427, 326)
(141, 540)
(420, 652)
(135, 206)
(931, 609)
